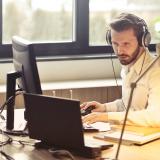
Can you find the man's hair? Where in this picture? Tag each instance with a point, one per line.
(127, 21)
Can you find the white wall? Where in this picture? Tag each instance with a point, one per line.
(69, 70)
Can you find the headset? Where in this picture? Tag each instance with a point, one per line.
(144, 40)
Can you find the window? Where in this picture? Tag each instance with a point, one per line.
(69, 28)
(38, 20)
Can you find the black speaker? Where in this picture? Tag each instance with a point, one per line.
(144, 40)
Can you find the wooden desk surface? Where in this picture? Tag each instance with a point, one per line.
(145, 152)
(148, 151)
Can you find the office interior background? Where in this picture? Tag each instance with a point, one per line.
(69, 36)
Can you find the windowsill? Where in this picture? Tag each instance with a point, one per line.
(66, 57)
(75, 84)
(80, 84)
(76, 57)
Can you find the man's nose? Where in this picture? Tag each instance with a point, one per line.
(120, 50)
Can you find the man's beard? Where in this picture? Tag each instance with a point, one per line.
(131, 58)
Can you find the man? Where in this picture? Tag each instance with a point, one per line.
(129, 37)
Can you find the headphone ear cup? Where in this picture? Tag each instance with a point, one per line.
(108, 37)
(146, 39)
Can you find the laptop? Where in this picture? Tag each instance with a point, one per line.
(57, 122)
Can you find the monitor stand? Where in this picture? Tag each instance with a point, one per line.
(10, 94)
(10, 97)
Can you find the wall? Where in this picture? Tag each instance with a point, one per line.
(69, 70)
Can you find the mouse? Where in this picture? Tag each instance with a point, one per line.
(87, 110)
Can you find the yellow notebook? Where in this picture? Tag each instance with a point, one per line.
(132, 134)
(144, 131)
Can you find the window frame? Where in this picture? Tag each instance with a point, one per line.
(78, 49)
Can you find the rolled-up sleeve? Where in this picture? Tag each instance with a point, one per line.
(115, 106)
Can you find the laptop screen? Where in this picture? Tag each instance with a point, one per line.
(55, 121)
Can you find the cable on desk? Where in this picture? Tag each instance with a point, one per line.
(10, 140)
(23, 143)
(7, 140)
(10, 99)
(13, 132)
(7, 137)
(6, 156)
(61, 154)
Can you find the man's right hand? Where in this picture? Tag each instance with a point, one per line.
(98, 107)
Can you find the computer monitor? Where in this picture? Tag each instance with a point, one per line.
(25, 63)
(25, 75)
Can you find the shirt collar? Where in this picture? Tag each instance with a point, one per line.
(142, 62)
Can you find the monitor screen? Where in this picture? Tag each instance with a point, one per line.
(25, 63)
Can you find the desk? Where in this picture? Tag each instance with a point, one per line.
(148, 151)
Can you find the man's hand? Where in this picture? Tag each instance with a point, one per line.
(98, 107)
(95, 117)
